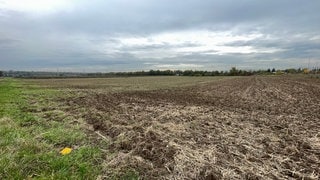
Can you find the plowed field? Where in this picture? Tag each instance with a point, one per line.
(235, 128)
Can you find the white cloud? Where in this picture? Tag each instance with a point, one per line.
(203, 37)
(177, 66)
(174, 44)
(35, 6)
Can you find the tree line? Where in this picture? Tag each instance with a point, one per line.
(232, 72)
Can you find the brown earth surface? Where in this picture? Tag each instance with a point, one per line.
(235, 128)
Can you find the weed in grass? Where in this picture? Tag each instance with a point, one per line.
(130, 175)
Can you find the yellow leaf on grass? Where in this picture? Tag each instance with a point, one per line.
(65, 151)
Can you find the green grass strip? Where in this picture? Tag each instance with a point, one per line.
(29, 144)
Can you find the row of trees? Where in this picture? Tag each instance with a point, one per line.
(232, 72)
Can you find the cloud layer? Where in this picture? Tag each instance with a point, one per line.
(128, 35)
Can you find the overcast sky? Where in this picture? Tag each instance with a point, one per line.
(130, 35)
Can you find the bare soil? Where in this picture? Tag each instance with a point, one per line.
(241, 128)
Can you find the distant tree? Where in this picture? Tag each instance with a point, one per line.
(188, 73)
(299, 70)
(1, 73)
(273, 70)
(233, 71)
(269, 70)
(291, 71)
(215, 73)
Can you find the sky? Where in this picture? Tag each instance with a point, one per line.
(134, 35)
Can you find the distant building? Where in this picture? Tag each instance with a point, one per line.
(306, 71)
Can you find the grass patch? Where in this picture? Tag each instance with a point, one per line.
(30, 144)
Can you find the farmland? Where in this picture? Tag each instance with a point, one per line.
(257, 127)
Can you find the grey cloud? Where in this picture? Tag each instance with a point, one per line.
(152, 16)
(5, 41)
(47, 40)
(162, 46)
(145, 16)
